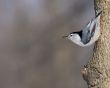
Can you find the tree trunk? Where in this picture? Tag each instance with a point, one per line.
(97, 71)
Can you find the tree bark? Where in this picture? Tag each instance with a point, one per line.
(97, 71)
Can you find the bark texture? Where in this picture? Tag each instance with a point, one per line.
(97, 71)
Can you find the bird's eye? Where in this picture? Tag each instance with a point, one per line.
(71, 34)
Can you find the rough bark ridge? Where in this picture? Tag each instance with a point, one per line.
(97, 71)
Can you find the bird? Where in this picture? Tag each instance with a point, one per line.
(89, 34)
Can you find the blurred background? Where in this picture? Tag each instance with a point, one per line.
(33, 53)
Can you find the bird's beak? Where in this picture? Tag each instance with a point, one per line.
(64, 36)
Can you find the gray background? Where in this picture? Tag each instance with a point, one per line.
(33, 53)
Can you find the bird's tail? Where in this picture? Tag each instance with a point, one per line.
(98, 13)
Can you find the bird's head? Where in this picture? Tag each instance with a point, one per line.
(74, 37)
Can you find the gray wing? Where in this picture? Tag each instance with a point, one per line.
(86, 34)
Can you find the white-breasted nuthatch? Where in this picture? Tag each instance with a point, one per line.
(89, 34)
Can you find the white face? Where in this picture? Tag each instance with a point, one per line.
(74, 38)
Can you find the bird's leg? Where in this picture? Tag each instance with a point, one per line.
(95, 46)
